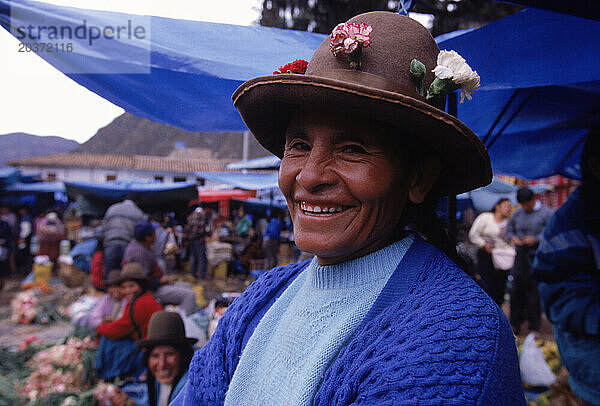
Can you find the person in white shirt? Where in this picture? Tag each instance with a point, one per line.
(488, 233)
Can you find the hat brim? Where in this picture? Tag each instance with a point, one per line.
(138, 279)
(265, 104)
(185, 341)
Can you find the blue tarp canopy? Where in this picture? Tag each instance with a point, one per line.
(9, 176)
(484, 198)
(540, 75)
(38, 187)
(146, 193)
(540, 90)
(248, 181)
(181, 73)
(581, 8)
(266, 162)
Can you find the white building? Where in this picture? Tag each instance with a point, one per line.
(179, 166)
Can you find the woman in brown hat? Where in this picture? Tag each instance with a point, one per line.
(117, 353)
(167, 355)
(379, 316)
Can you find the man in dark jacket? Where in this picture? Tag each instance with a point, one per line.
(525, 231)
(197, 228)
(567, 267)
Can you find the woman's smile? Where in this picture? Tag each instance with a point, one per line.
(320, 209)
(343, 185)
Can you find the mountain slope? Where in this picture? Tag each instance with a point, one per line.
(21, 145)
(131, 135)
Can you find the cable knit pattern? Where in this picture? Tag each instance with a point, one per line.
(432, 337)
(299, 336)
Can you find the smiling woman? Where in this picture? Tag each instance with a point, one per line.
(167, 354)
(379, 315)
(334, 161)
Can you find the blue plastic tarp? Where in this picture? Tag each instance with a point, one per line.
(248, 181)
(581, 8)
(37, 187)
(144, 192)
(484, 198)
(9, 176)
(181, 73)
(540, 90)
(82, 254)
(540, 75)
(267, 162)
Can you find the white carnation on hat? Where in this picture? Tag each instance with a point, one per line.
(450, 65)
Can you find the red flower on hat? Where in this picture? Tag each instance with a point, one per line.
(298, 66)
(346, 37)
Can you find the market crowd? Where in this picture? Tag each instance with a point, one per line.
(133, 260)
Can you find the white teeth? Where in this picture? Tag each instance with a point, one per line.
(318, 210)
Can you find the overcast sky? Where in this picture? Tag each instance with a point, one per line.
(38, 99)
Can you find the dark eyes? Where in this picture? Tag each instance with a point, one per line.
(349, 149)
(353, 149)
(298, 145)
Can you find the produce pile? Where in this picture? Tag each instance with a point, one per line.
(68, 367)
(40, 375)
(27, 308)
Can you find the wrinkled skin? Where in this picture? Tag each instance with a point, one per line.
(354, 175)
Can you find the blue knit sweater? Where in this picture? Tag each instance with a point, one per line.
(294, 343)
(432, 337)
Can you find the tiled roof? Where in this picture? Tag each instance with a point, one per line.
(138, 162)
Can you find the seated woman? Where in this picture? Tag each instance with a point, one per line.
(112, 304)
(381, 315)
(117, 354)
(167, 355)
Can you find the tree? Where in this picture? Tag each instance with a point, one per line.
(322, 16)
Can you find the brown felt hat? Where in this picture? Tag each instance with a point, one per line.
(381, 90)
(114, 277)
(133, 271)
(166, 328)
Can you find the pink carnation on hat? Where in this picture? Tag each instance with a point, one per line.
(346, 37)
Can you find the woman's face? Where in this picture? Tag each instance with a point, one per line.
(343, 184)
(504, 208)
(130, 289)
(163, 363)
(114, 291)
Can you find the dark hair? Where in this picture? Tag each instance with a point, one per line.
(591, 149)
(131, 196)
(421, 217)
(185, 357)
(142, 230)
(144, 284)
(525, 195)
(498, 203)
